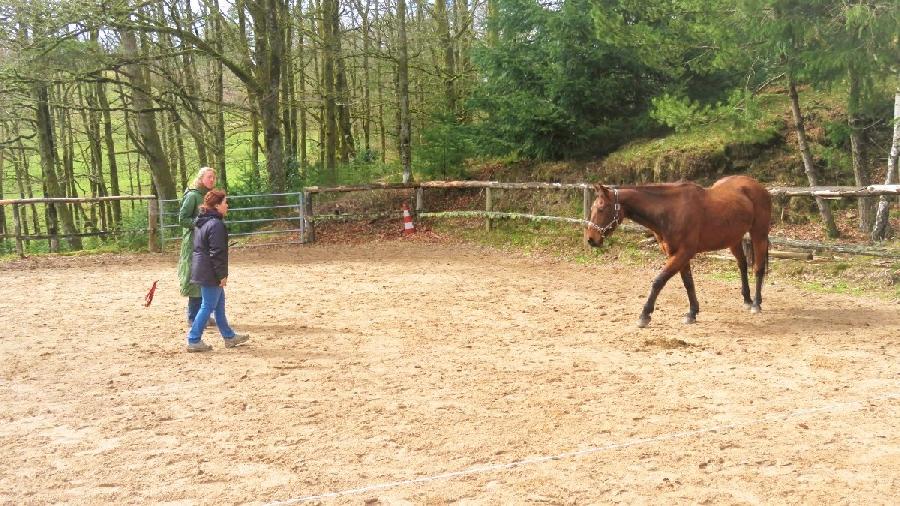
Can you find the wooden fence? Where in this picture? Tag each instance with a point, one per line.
(152, 218)
(781, 194)
(309, 218)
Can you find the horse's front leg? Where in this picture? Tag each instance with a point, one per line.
(673, 264)
(688, 279)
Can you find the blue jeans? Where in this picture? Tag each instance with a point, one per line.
(213, 301)
(193, 308)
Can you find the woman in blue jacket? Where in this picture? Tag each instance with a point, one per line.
(209, 270)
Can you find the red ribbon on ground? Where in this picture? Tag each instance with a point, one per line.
(149, 297)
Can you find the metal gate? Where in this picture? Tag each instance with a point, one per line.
(258, 212)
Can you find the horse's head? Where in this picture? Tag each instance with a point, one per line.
(606, 214)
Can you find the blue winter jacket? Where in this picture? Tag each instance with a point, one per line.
(209, 261)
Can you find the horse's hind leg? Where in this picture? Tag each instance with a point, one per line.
(688, 279)
(738, 252)
(760, 263)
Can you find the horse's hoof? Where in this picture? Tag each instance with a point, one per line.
(747, 305)
(755, 310)
(643, 321)
(689, 318)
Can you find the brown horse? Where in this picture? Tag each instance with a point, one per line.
(688, 219)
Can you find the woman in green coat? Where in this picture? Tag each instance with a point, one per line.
(190, 205)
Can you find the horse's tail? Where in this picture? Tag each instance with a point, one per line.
(766, 260)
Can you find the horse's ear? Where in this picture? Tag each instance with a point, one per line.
(599, 188)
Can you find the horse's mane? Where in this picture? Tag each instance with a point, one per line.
(659, 188)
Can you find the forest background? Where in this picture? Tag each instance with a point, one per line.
(121, 97)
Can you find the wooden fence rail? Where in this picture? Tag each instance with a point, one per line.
(308, 234)
(67, 200)
(835, 192)
(152, 218)
(789, 191)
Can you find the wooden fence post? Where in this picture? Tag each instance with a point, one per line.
(420, 199)
(488, 206)
(302, 211)
(310, 224)
(153, 226)
(586, 211)
(18, 230)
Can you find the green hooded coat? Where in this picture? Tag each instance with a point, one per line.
(190, 206)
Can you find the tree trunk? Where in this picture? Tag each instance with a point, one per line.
(254, 136)
(179, 151)
(189, 72)
(379, 86)
(348, 146)
(167, 136)
(268, 29)
(318, 69)
(329, 8)
(865, 205)
(150, 144)
(493, 32)
(167, 128)
(882, 224)
(2, 195)
(463, 37)
(301, 102)
(110, 152)
(252, 102)
(67, 176)
(25, 187)
(91, 120)
(287, 86)
(810, 168)
(219, 145)
(348, 149)
(443, 26)
(366, 85)
(128, 138)
(418, 46)
(21, 180)
(47, 148)
(403, 91)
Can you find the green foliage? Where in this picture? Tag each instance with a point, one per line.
(249, 182)
(360, 170)
(743, 120)
(741, 110)
(681, 113)
(134, 230)
(552, 89)
(7, 247)
(446, 144)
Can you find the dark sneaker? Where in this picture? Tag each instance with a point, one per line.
(236, 340)
(198, 346)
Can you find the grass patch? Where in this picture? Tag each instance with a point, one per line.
(834, 287)
(709, 138)
(730, 274)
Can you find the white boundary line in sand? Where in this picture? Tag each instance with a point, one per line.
(858, 404)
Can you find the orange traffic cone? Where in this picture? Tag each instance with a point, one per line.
(408, 226)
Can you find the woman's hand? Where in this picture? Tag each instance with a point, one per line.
(223, 282)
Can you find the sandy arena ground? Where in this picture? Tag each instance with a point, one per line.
(376, 370)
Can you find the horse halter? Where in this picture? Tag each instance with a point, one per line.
(615, 221)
